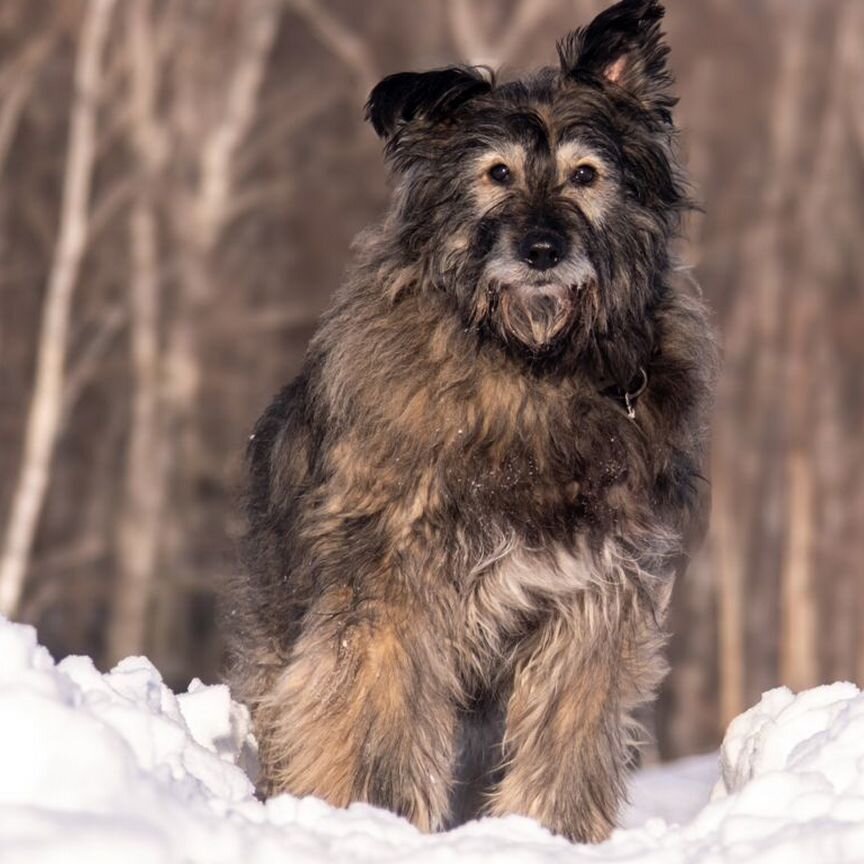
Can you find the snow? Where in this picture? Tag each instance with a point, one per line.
(675, 792)
(116, 768)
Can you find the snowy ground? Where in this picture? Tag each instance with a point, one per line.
(116, 768)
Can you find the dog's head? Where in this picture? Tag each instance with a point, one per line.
(543, 206)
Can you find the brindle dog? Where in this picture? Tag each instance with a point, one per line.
(466, 513)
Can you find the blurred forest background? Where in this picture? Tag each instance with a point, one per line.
(180, 181)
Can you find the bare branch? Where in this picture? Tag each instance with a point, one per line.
(19, 90)
(339, 40)
(259, 196)
(86, 365)
(201, 218)
(473, 44)
(106, 207)
(275, 318)
(44, 418)
(30, 56)
(529, 14)
(465, 30)
(140, 516)
(805, 310)
(764, 265)
(48, 591)
(237, 116)
(281, 124)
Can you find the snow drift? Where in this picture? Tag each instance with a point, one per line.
(117, 768)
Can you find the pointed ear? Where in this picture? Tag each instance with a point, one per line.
(624, 46)
(432, 96)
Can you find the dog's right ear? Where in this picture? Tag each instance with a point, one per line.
(432, 96)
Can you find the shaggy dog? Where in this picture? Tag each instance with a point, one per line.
(466, 513)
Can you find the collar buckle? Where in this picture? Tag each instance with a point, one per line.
(629, 395)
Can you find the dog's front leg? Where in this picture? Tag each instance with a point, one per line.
(569, 725)
(365, 710)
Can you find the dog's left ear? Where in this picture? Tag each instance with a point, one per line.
(406, 96)
(624, 45)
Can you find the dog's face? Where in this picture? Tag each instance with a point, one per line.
(545, 206)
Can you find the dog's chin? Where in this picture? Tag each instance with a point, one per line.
(536, 316)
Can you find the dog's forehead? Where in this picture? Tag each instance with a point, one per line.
(534, 138)
(547, 122)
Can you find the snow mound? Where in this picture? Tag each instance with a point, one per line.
(116, 768)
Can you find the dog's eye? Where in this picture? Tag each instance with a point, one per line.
(584, 175)
(500, 173)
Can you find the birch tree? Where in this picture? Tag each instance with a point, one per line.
(44, 416)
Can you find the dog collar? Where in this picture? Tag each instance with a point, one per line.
(629, 395)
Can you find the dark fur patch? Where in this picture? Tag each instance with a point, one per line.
(460, 546)
(434, 96)
(624, 44)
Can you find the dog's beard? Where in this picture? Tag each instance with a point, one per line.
(535, 309)
(536, 315)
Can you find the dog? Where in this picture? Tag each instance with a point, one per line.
(467, 511)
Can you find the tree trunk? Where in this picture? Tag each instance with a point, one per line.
(144, 483)
(43, 421)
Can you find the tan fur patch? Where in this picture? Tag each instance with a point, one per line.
(594, 200)
(513, 581)
(342, 703)
(488, 193)
(569, 718)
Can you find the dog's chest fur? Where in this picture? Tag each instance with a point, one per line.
(506, 593)
(548, 510)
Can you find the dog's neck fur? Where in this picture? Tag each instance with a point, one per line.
(612, 357)
(414, 343)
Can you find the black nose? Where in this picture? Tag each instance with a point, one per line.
(542, 250)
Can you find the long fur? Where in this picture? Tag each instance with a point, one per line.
(460, 545)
